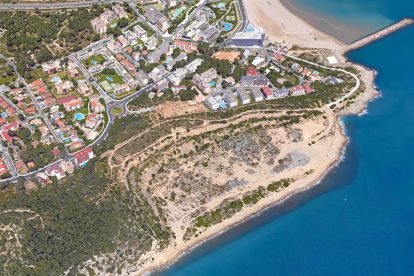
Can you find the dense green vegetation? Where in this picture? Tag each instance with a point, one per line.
(73, 220)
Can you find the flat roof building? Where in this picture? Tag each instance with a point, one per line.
(230, 98)
(243, 96)
(256, 94)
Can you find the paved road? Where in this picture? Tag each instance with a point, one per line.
(67, 5)
(358, 82)
(32, 97)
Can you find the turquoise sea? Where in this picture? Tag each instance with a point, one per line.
(318, 232)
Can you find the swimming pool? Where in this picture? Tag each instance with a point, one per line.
(79, 116)
(222, 106)
(94, 62)
(212, 83)
(55, 79)
(178, 12)
(4, 115)
(250, 30)
(67, 140)
(113, 25)
(227, 26)
(108, 78)
(168, 60)
(294, 66)
(62, 136)
(221, 5)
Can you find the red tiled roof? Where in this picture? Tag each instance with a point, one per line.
(10, 126)
(267, 91)
(6, 136)
(67, 99)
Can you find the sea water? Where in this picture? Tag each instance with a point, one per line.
(360, 219)
(349, 20)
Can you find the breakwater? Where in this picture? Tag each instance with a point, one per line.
(384, 32)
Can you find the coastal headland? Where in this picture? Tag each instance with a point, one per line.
(170, 170)
(303, 40)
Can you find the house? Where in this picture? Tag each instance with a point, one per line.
(31, 111)
(20, 165)
(83, 156)
(10, 111)
(76, 145)
(92, 121)
(35, 143)
(3, 168)
(298, 90)
(83, 88)
(230, 98)
(55, 170)
(71, 103)
(252, 72)
(230, 81)
(278, 57)
(254, 81)
(259, 62)
(13, 127)
(16, 91)
(243, 96)
(308, 88)
(314, 76)
(36, 84)
(306, 72)
(161, 85)
(122, 41)
(63, 87)
(212, 103)
(3, 121)
(128, 65)
(185, 46)
(67, 166)
(41, 90)
(46, 96)
(96, 106)
(119, 89)
(50, 68)
(267, 93)
(42, 178)
(136, 56)
(6, 137)
(56, 151)
(176, 89)
(281, 93)
(256, 94)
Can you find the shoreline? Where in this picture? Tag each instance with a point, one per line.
(170, 258)
(268, 202)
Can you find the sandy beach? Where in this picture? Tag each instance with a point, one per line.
(324, 154)
(284, 27)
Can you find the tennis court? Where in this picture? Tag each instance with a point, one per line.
(105, 85)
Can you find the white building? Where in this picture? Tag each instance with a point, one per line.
(212, 103)
(230, 98)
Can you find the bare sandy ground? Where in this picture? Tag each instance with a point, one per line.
(284, 27)
(230, 56)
